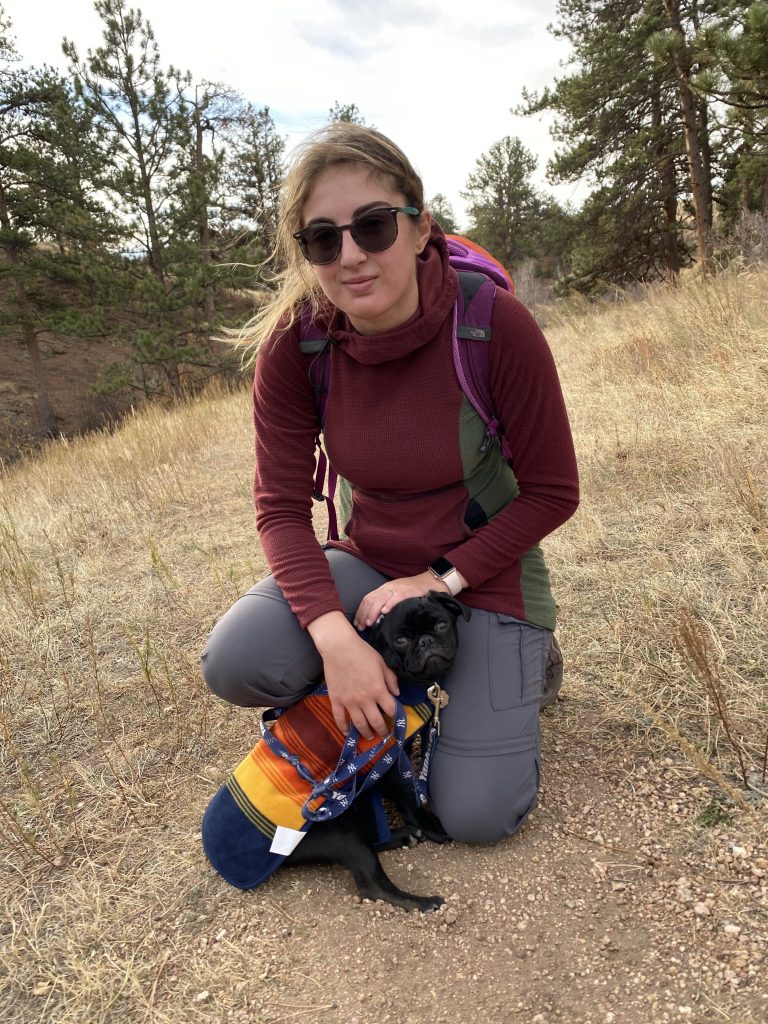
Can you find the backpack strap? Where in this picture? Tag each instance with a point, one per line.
(471, 350)
(316, 346)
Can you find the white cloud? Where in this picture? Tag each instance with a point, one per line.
(439, 82)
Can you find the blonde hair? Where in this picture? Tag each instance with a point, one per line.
(338, 143)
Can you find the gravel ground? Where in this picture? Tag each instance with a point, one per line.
(617, 904)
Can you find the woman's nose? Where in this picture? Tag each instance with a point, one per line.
(351, 253)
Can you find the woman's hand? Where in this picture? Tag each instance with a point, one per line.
(360, 685)
(385, 597)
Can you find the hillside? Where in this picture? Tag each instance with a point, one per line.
(637, 892)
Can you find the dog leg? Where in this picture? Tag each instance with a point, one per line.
(341, 842)
(421, 824)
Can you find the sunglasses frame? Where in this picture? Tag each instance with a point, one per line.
(301, 238)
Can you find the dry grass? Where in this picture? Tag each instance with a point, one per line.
(665, 568)
(118, 552)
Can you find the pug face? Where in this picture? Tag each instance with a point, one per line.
(418, 639)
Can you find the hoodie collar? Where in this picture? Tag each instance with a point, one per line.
(438, 286)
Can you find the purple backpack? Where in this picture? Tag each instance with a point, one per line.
(479, 274)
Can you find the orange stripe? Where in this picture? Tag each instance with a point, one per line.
(323, 712)
(281, 774)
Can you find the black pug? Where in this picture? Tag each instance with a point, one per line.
(418, 639)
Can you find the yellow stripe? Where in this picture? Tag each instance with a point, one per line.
(252, 813)
(270, 792)
(275, 805)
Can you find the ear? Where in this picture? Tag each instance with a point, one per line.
(423, 230)
(451, 604)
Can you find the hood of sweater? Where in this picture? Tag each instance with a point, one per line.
(438, 285)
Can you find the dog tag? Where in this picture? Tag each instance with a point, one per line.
(439, 699)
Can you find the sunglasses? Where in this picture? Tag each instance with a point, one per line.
(373, 231)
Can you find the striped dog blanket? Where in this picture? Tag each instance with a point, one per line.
(303, 769)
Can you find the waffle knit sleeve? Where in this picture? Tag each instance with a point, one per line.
(286, 425)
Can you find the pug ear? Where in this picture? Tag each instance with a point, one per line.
(451, 604)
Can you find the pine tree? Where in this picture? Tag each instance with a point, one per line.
(254, 173)
(736, 77)
(618, 124)
(148, 124)
(503, 205)
(442, 212)
(349, 112)
(675, 45)
(53, 226)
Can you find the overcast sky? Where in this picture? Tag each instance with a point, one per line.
(437, 80)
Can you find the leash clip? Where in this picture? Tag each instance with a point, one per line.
(439, 698)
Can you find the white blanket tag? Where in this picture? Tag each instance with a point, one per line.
(286, 840)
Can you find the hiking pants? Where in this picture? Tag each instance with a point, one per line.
(485, 773)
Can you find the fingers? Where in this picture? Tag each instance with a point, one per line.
(340, 717)
(371, 722)
(377, 603)
(392, 685)
(368, 719)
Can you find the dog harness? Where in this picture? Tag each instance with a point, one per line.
(303, 769)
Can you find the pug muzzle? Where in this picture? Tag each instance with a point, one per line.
(418, 638)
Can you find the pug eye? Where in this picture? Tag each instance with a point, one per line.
(441, 627)
(400, 641)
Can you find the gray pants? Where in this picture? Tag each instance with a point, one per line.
(485, 773)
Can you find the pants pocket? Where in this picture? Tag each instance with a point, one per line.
(517, 659)
(481, 797)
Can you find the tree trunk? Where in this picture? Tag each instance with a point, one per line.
(155, 248)
(706, 155)
(46, 421)
(209, 308)
(700, 187)
(668, 194)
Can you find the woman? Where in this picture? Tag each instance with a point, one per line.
(432, 509)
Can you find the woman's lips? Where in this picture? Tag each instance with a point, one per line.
(359, 285)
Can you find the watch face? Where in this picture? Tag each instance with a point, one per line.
(441, 566)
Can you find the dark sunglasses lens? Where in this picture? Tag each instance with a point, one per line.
(375, 231)
(322, 243)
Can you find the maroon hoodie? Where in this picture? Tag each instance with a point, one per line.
(400, 430)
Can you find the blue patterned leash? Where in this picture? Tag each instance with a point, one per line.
(341, 787)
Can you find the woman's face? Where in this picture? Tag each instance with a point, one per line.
(377, 290)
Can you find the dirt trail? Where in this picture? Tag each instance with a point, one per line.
(613, 906)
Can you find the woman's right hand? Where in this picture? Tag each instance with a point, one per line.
(360, 685)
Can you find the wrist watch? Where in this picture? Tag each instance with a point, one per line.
(442, 569)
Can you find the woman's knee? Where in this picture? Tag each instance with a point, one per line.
(257, 655)
(225, 678)
(477, 809)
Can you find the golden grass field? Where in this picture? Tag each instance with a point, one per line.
(119, 551)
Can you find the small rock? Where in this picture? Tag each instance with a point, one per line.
(201, 997)
(701, 910)
(451, 916)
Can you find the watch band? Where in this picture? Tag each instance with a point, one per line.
(443, 570)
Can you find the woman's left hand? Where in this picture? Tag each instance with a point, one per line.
(384, 598)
